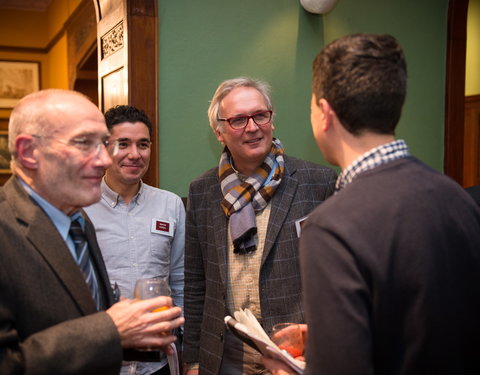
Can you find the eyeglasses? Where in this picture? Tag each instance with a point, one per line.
(260, 118)
(88, 145)
(125, 144)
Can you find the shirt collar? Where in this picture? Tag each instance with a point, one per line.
(113, 198)
(371, 159)
(58, 218)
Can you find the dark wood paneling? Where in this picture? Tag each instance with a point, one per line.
(127, 62)
(143, 70)
(472, 141)
(455, 89)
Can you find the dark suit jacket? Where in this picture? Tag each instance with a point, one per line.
(474, 192)
(391, 271)
(304, 186)
(48, 320)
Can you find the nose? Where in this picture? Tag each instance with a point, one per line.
(102, 158)
(251, 125)
(133, 152)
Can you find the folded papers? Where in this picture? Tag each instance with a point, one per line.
(247, 328)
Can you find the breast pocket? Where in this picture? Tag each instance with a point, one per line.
(162, 232)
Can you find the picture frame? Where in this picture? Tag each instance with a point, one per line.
(17, 79)
(4, 154)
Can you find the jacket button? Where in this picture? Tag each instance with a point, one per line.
(221, 336)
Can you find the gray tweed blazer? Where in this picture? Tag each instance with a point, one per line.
(304, 186)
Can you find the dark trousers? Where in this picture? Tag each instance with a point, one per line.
(165, 370)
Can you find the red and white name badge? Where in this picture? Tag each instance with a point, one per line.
(161, 226)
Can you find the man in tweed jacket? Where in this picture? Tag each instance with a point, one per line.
(226, 267)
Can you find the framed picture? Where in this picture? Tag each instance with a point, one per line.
(4, 154)
(17, 79)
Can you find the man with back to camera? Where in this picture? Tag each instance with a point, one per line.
(391, 263)
(56, 306)
(474, 192)
(140, 229)
(242, 237)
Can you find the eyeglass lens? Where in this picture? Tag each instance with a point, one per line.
(260, 118)
(89, 145)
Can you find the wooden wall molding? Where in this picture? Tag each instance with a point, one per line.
(471, 155)
(455, 90)
(52, 42)
(112, 41)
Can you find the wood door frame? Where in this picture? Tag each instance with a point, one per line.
(455, 90)
(139, 30)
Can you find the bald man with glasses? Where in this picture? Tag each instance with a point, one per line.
(57, 309)
(243, 223)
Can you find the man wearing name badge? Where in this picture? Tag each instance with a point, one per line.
(390, 263)
(140, 229)
(57, 310)
(243, 222)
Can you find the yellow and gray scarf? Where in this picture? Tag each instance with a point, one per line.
(242, 198)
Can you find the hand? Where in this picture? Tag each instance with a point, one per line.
(304, 329)
(276, 367)
(191, 372)
(139, 327)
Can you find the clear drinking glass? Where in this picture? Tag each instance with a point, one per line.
(288, 337)
(152, 287)
(145, 289)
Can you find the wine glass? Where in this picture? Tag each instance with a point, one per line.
(145, 289)
(288, 337)
(152, 287)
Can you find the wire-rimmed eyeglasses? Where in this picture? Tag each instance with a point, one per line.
(261, 118)
(88, 145)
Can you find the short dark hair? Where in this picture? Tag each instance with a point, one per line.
(126, 113)
(364, 79)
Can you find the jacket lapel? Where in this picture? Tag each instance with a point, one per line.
(281, 203)
(219, 221)
(44, 237)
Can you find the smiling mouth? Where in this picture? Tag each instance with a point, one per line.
(255, 140)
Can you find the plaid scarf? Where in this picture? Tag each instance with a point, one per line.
(242, 198)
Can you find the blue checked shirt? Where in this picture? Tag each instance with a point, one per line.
(371, 159)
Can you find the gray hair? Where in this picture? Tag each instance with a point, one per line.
(226, 87)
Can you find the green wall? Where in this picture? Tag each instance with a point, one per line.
(204, 42)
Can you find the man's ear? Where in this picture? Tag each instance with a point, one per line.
(219, 135)
(25, 146)
(327, 112)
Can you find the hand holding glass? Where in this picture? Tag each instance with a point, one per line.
(288, 337)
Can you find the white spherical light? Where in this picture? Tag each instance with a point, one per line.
(318, 6)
